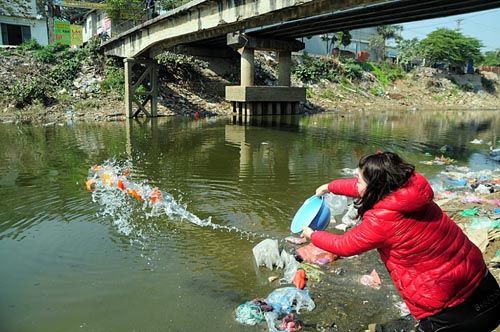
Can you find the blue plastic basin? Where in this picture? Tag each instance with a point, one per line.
(313, 213)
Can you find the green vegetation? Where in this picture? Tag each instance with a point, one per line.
(171, 4)
(313, 69)
(65, 65)
(492, 58)
(338, 38)
(378, 42)
(450, 47)
(114, 81)
(125, 9)
(54, 68)
(408, 51)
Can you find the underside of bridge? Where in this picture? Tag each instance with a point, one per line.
(272, 25)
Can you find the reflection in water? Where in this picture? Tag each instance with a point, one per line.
(278, 121)
(250, 175)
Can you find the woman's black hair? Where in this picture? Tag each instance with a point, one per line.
(383, 173)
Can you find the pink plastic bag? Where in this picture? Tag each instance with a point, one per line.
(313, 254)
(372, 280)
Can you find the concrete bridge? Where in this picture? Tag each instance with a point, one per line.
(220, 26)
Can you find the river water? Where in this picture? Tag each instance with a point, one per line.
(68, 263)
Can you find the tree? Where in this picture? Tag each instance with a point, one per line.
(492, 58)
(125, 10)
(15, 7)
(378, 42)
(171, 4)
(343, 37)
(451, 47)
(408, 51)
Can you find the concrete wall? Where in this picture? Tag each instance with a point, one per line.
(37, 23)
(38, 28)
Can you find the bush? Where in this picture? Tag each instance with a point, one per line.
(311, 69)
(114, 81)
(30, 45)
(50, 53)
(352, 69)
(25, 93)
(66, 71)
(385, 73)
(64, 67)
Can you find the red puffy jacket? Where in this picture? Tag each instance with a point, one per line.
(431, 262)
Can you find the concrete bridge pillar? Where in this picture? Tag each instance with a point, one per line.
(247, 71)
(284, 68)
(248, 99)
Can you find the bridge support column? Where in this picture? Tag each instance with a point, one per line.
(149, 79)
(251, 100)
(284, 68)
(247, 69)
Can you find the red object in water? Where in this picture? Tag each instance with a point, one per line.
(90, 184)
(196, 115)
(300, 278)
(120, 185)
(155, 195)
(134, 194)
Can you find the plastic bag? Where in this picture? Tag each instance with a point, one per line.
(336, 203)
(351, 217)
(287, 299)
(313, 254)
(249, 313)
(291, 266)
(267, 253)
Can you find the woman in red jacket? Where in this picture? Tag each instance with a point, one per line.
(439, 272)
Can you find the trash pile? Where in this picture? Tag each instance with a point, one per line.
(301, 266)
(280, 308)
(472, 199)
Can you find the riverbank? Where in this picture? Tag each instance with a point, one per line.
(341, 278)
(74, 87)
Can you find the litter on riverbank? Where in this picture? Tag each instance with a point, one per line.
(470, 198)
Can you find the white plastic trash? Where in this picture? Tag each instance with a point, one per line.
(336, 203)
(267, 253)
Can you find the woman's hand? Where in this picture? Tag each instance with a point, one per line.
(307, 232)
(323, 189)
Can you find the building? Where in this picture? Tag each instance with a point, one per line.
(19, 25)
(96, 22)
(359, 42)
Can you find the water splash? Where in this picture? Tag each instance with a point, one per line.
(111, 188)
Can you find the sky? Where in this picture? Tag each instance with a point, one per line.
(484, 25)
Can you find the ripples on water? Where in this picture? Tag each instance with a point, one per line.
(72, 258)
(118, 204)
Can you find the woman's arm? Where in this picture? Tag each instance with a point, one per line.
(369, 234)
(346, 187)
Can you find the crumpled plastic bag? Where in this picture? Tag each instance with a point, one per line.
(267, 253)
(290, 299)
(336, 203)
(311, 253)
(291, 265)
(372, 280)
